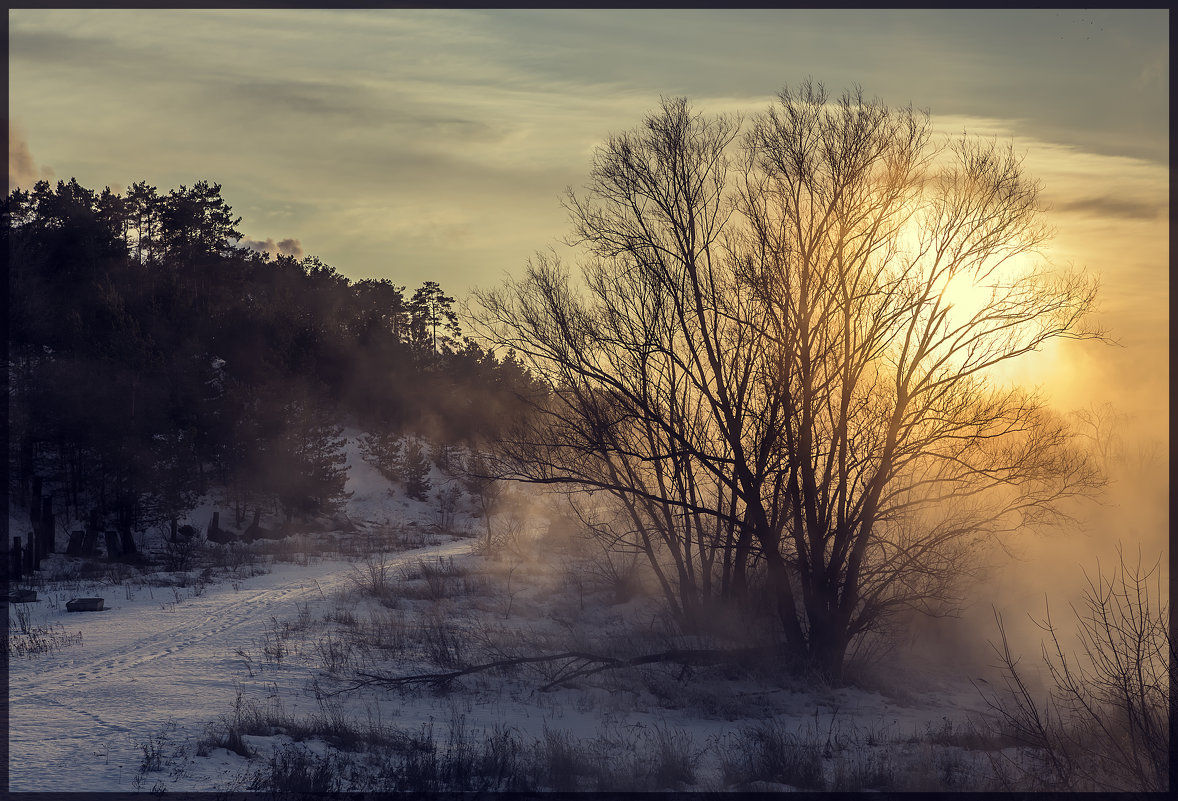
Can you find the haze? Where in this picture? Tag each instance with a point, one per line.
(434, 145)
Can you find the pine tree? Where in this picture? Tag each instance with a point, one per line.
(312, 460)
(430, 310)
(382, 450)
(415, 470)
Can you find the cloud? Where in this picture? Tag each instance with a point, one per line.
(1108, 206)
(22, 170)
(284, 247)
(291, 247)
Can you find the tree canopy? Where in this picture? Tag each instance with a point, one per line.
(762, 366)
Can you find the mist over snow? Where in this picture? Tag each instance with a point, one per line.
(122, 699)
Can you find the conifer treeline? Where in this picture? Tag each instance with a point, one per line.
(151, 357)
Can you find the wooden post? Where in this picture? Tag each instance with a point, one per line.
(112, 545)
(74, 547)
(128, 542)
(90, 541)
(17, 562)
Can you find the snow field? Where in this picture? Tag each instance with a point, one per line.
(168, 676)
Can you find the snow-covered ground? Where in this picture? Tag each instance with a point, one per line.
(164, 660)
(127, 707)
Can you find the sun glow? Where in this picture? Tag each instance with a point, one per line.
(966, 297)
(974, 301)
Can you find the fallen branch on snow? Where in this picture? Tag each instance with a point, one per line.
(578, 665)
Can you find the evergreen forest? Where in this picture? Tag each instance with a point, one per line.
(152, 358)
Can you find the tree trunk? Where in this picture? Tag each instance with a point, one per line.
(787, 608)
(740, 562)
(828, 650)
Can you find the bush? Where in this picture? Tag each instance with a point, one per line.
(1104, 724)
(372, 578)
(181, 552)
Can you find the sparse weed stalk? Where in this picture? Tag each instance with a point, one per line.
(158, 750)
(672, 757)
(22, 618)
(387, 631)
(295, 769)
(969, 735)
(274, 647)
(26, 639)
(342, 616)
(302, 620)
(438, 574)
(441, 643)
(372, 577)
(767, 752)
(563, 766)
(336, 653)
(864, 769)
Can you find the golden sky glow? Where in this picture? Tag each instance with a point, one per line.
(434, 145)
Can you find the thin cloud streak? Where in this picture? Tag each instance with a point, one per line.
(435, 144)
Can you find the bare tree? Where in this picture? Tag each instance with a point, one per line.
(765, 362)
(900, 449)
(634, 359)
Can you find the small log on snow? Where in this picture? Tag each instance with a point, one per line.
(577, 665)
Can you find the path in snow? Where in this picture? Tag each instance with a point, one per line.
(78, 717)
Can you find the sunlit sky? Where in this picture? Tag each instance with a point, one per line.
(435, 144)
